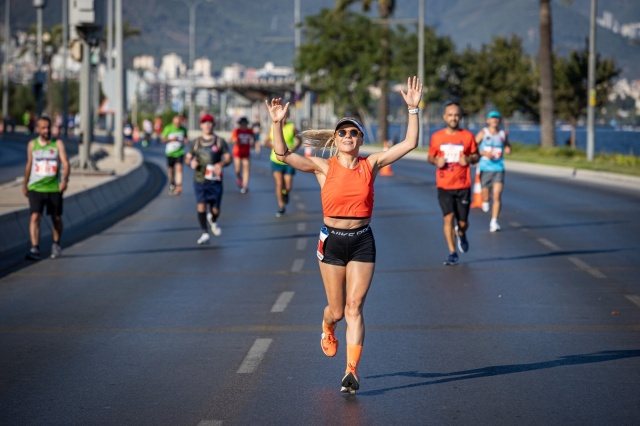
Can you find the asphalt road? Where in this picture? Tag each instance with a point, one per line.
(137, 325)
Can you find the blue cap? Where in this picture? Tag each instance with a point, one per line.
(494, 114)
(350, 120)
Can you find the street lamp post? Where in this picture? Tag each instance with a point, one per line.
(192, 5)
(591, 83)
(39, 80)
(5, 69)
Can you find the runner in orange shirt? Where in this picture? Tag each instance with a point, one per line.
(451, 150)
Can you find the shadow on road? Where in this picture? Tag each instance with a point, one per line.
(500, 370)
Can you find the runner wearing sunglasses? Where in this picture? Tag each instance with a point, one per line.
(346, 247)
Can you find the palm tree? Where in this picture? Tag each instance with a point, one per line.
(547, 125)
(385, 10)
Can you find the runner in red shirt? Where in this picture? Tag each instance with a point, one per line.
(452, 149)
(243, 138)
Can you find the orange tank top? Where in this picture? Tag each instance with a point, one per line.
(348, 192)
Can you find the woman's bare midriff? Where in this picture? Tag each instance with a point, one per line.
(346, 222)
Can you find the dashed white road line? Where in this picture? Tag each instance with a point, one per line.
(548, 244)
(210, 423)
(634, 299)
(301, 206)
(301, 244)
(255, 355)
(301, 227)
(283, 301)
(579, 263)
(586, 267)
(297, 265)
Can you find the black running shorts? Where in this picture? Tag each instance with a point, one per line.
(345, 245)
(456, 201)
(51, 200)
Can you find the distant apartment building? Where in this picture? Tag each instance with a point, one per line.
(172, 66)
(233, 72)
(202, 67)
(144, 62)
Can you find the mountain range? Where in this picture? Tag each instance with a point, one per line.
(253, 32)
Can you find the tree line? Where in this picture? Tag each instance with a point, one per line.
(343, 60)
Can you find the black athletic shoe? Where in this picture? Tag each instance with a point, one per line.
(33, 254)
(350, 383)
(452, 259)
(280, 212)
(463, 243)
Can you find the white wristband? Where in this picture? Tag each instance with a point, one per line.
(414, 111)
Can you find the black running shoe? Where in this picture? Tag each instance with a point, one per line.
(452, 259)
(350, 383)
(33, 254)
(280, 212)
(463, 243)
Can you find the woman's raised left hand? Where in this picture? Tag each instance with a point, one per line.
(413, 95)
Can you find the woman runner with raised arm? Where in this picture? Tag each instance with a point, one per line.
(346, 247)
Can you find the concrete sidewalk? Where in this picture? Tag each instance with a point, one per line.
(90, 197)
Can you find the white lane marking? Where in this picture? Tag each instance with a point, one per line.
(210, 423)
(301, 227)
(586, 267)
(283, 301)
(297, 265)
(515, 224)
(548, 244)
(300, 206)
(301, 244)
(634, 299)
(255, 355)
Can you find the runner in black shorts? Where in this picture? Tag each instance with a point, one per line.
(345, 245)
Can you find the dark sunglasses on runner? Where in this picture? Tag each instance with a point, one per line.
(353, 132)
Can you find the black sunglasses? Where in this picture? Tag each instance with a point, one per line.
(353, 132)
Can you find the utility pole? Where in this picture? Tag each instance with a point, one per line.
(591, 83)
(296, 41)
(65, 57)
(39, 78)
(119, 98)
(5, 68)
(421, 68)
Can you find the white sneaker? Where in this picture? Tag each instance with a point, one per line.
(56, 250)
(204, 238)
(485, 206)
(215, 229)
(494, 226)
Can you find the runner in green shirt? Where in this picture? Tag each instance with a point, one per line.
(43, 186)
(174, 136)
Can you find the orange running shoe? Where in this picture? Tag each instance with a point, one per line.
(328, 342)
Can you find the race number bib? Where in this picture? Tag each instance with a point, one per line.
(451, 152)
(210, 174)
(496, 153)
(173, 146)
(46, 168)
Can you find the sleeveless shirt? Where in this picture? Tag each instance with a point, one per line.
(348, 192)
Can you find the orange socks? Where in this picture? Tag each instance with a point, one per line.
(353, 358)
(326, 329)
